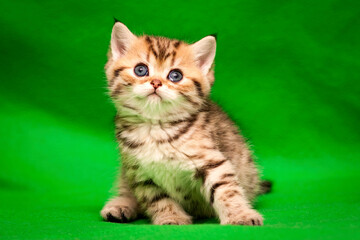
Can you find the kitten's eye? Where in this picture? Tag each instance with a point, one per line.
(175, 75)
(141, 70)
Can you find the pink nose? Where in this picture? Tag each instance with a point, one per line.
(156, 83)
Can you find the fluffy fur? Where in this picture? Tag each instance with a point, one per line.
(182, 157)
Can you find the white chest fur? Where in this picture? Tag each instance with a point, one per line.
(162, 161)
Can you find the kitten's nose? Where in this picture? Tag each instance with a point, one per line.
(156, 83)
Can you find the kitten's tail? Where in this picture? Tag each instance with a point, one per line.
(265, 186)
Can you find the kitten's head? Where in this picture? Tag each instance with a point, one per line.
(158, 78)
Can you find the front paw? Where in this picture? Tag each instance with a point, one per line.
(244, 217)
(116, 214)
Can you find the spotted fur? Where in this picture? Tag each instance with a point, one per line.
(182, 157)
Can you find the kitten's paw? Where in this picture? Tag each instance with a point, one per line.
(245, 217)
(172, 220)
(119, 209)
(120, 214)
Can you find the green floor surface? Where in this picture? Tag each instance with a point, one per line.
(286, 71)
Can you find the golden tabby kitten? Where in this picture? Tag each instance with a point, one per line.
(182, 157)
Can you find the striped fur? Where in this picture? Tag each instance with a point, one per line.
(182, 157)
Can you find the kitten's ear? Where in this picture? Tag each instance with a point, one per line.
(121, 39)
(204, 51)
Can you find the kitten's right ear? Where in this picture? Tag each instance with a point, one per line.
(121, 39)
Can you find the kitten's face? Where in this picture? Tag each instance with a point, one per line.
(158, 78)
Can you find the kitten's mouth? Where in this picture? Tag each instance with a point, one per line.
(154, 95)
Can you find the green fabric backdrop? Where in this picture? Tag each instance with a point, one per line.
(286, 71)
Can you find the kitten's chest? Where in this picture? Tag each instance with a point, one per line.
(163, 161)
(151, 143)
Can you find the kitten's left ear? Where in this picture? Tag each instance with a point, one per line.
(204, 51)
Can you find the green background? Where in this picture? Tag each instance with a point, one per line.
(286, 71)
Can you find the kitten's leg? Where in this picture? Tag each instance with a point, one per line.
(121, 208)
(158, 206)
(224, 192)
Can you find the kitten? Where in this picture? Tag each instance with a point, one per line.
(182, 157)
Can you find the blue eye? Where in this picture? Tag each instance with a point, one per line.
(175, 75)
(141, 70)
